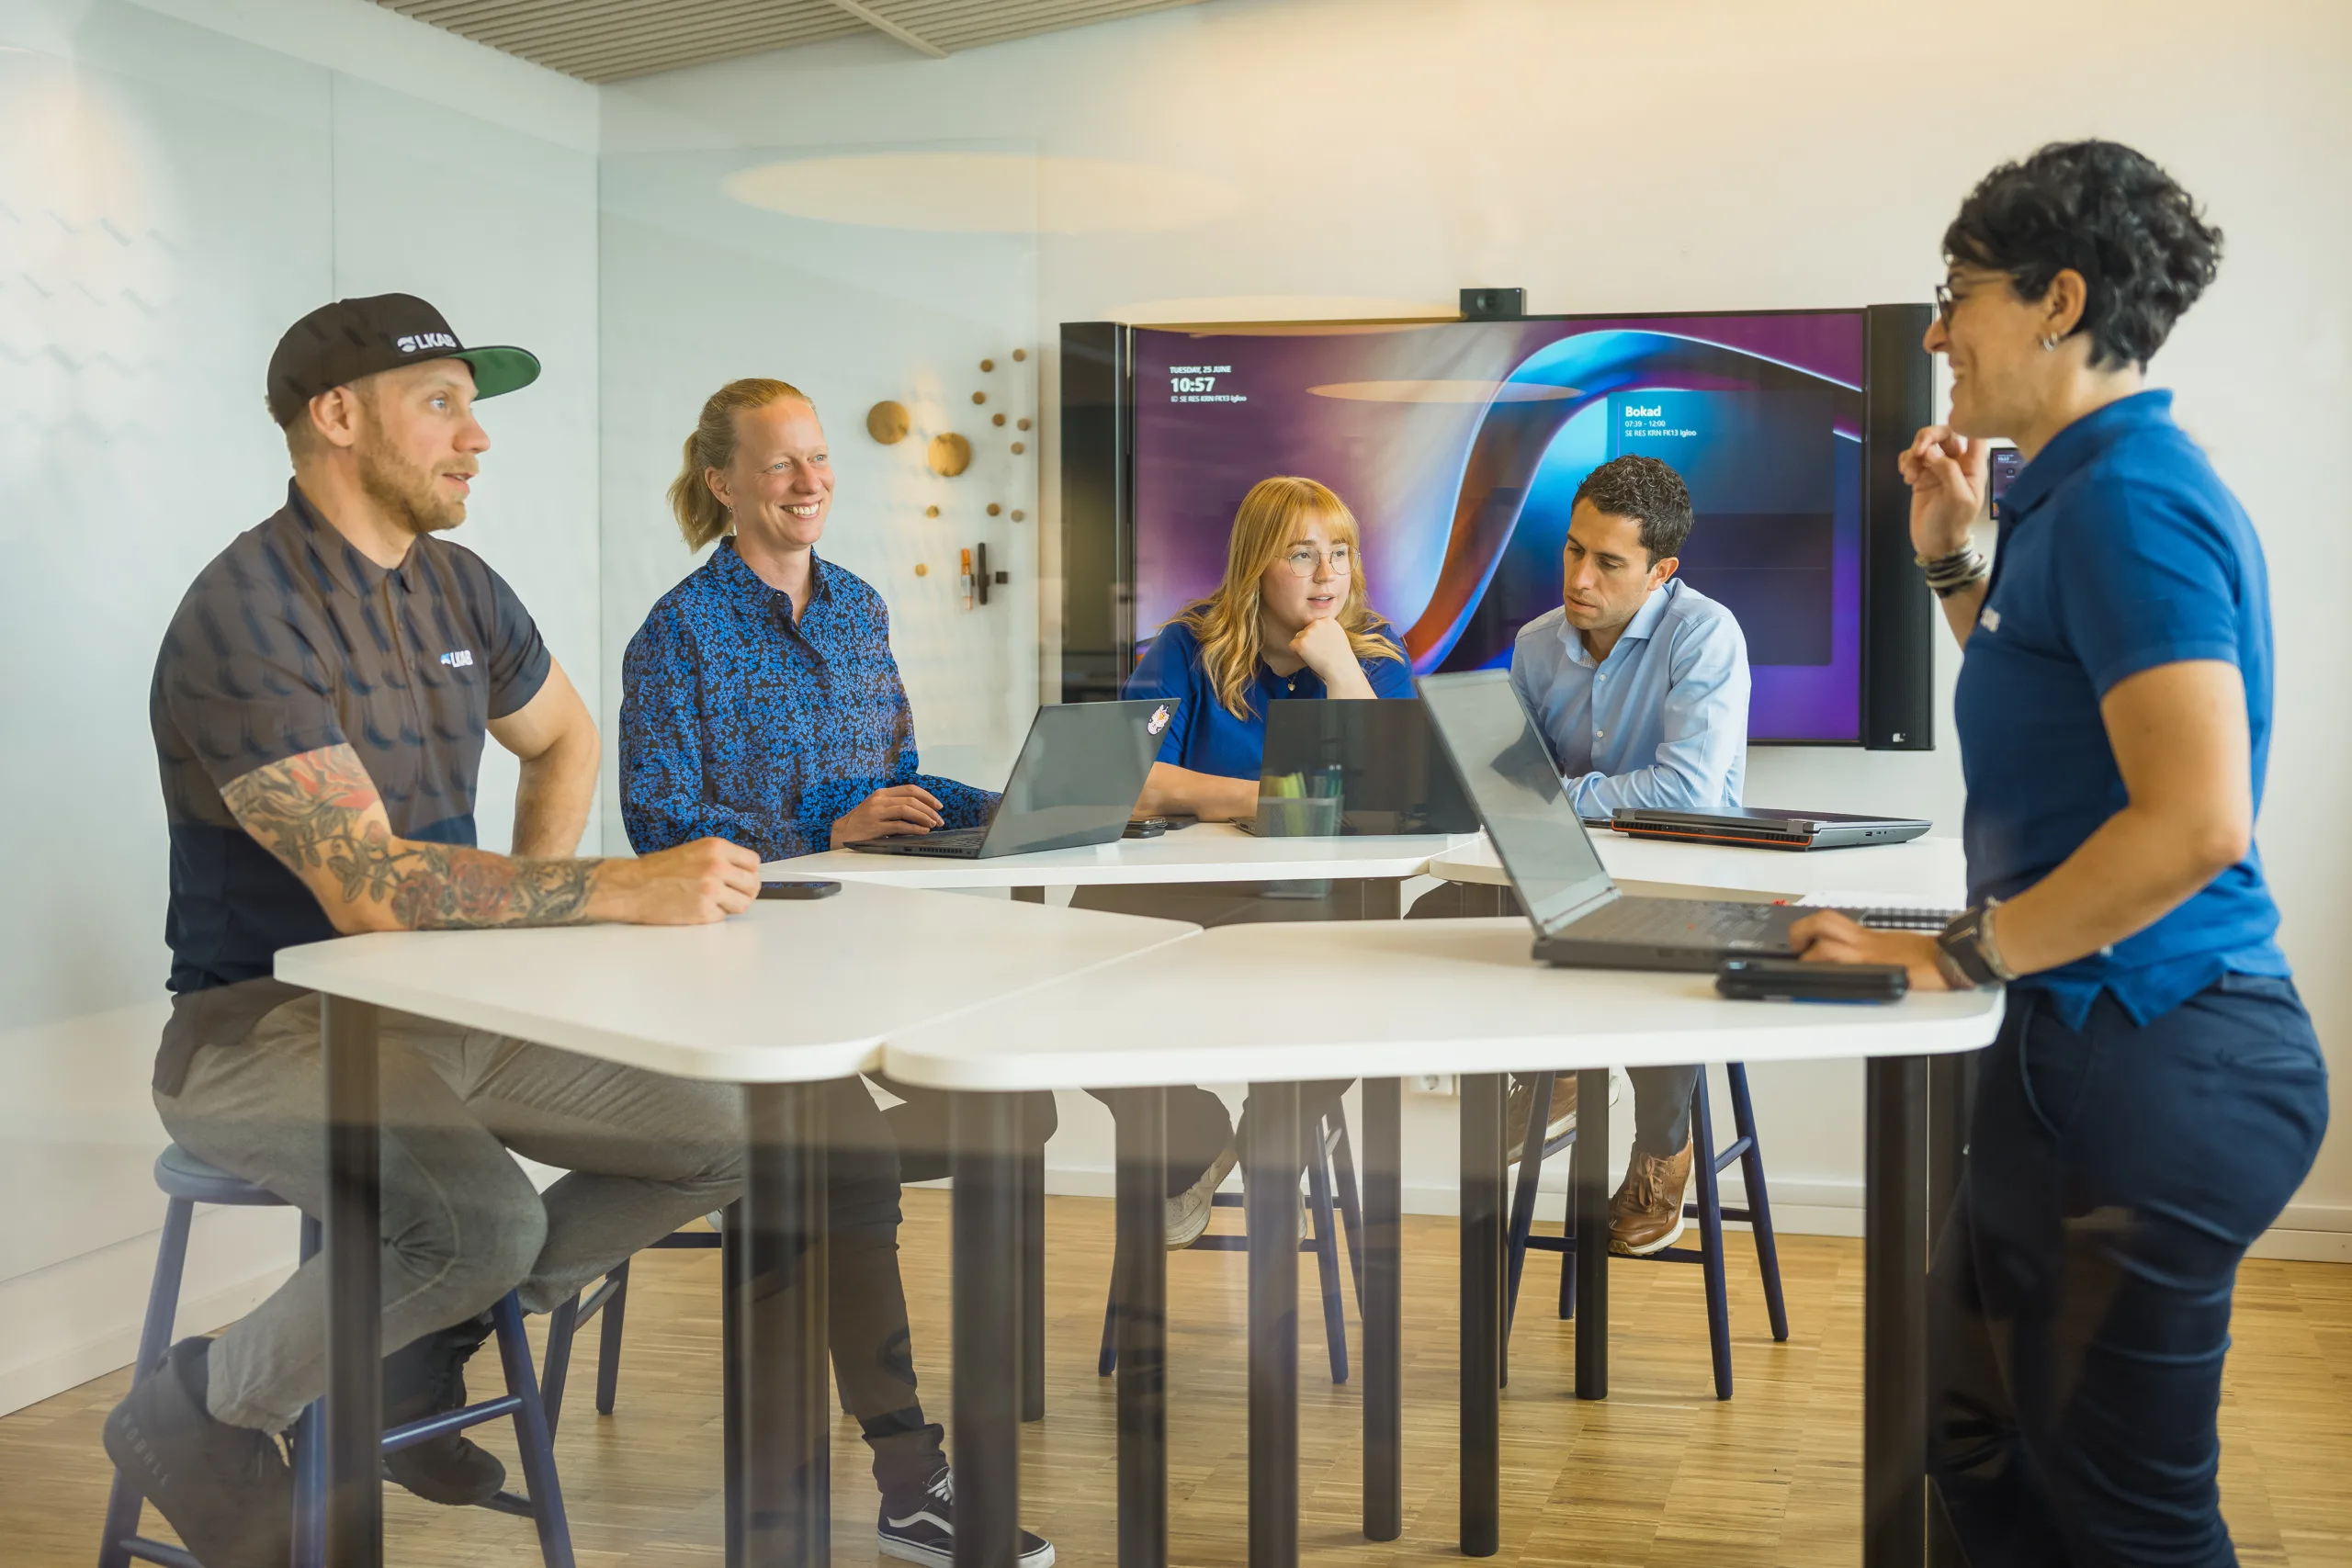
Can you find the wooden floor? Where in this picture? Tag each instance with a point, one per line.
(1661, 1473)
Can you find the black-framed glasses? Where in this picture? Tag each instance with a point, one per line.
(1945, 301)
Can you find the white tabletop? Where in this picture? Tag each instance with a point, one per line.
(1931, 868)
(1207, 851)
(788, 992)
(1344, 999)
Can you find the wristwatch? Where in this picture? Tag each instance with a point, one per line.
(1965, 946)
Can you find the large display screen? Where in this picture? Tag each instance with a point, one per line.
(1459, 446)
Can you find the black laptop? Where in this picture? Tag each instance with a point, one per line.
(1761, 827)
(1079, 774)
(1581, 920)
(1376, 757)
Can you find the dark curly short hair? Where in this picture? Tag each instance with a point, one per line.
(1645, 489)
(2142, 245)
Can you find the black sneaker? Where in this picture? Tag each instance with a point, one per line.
(425, 1379)
(920, 1527)
(227, 1490)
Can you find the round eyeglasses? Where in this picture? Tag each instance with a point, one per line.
(1302, 560)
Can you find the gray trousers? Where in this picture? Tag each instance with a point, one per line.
(462, 1225)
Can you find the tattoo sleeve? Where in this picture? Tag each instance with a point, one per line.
(320, 813)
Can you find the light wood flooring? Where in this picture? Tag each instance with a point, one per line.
(1661, 1473)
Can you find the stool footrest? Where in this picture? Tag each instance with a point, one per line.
(1233, 1244)
(457, 1421)
(170, 1556)
(598, 1301)
(512, 1503)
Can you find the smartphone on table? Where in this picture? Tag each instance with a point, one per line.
(798, 889)
(1793, 981)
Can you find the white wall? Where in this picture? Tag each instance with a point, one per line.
(1346, 157)
(172, 197)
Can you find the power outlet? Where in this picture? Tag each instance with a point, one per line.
(1433, 1083)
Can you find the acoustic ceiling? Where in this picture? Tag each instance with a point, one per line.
(609, 40)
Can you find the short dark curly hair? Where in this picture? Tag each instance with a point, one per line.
(2139, 242)
(1645, 489)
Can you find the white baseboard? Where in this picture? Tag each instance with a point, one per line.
(79, 1319)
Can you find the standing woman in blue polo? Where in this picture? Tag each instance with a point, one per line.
(1290, 620)
(2156, 1094)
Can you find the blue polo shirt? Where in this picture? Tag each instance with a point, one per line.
(1209, 737)
(2121, 550)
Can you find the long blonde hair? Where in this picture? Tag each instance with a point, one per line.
(712, 445)
(1226, 623)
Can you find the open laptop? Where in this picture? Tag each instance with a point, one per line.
(1079, 774)
(1376, 757)
(1761, 827)
(1581, 920)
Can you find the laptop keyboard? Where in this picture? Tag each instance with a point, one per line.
(1686, 923)
(955, 843)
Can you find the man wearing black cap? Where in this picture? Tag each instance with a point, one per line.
(319, 710)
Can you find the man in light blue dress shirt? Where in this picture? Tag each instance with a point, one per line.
(1639, 684)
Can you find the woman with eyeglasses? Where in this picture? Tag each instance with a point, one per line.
(1290, 621)
(2156, 1093)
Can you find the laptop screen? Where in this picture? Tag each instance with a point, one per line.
(1079, 772)
(1508, 774)
(1376, 757)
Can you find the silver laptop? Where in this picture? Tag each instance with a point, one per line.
(1079, 774)
(1581, 920)
(1761, 827)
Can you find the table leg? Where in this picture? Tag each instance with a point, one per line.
(734, 1273)
(1588, 1176)
(1894, 1273)
(784, 1484)
(1142, 1295)
(985, 1158)
(1269, 1179)
(354, 1245)
(1384, 1477)
(1033, 1282)
(1482, 1312)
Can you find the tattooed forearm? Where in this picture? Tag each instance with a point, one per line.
(320, 813)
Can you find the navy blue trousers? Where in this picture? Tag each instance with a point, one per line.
(2080, 1298)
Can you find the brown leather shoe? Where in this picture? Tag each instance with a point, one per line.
(1645, 1215)
(1519, 1106)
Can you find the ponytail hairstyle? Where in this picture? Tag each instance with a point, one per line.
(1226, 623)
(712, 445)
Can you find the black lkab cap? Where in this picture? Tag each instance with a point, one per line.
(339, 344)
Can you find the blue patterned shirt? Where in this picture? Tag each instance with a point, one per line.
(738, 723)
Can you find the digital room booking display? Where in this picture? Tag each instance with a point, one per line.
(1459, 446)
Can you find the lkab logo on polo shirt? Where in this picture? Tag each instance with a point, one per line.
(416, 343)
(1990, 620)
(459, 657)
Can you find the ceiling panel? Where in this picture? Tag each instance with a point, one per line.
(610, 40)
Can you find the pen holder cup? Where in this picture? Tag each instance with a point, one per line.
(1306, 816)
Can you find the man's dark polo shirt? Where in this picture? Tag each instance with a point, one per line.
(291, 640)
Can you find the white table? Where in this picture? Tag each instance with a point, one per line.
(784, 997)
(1929, 867)
(1390, 998)
(1207, 851)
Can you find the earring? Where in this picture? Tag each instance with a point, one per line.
(2049, 344)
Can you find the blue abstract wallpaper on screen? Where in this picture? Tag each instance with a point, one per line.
(1459, 446)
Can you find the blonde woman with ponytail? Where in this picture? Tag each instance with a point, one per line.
(761, 703)
(1290, 620)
